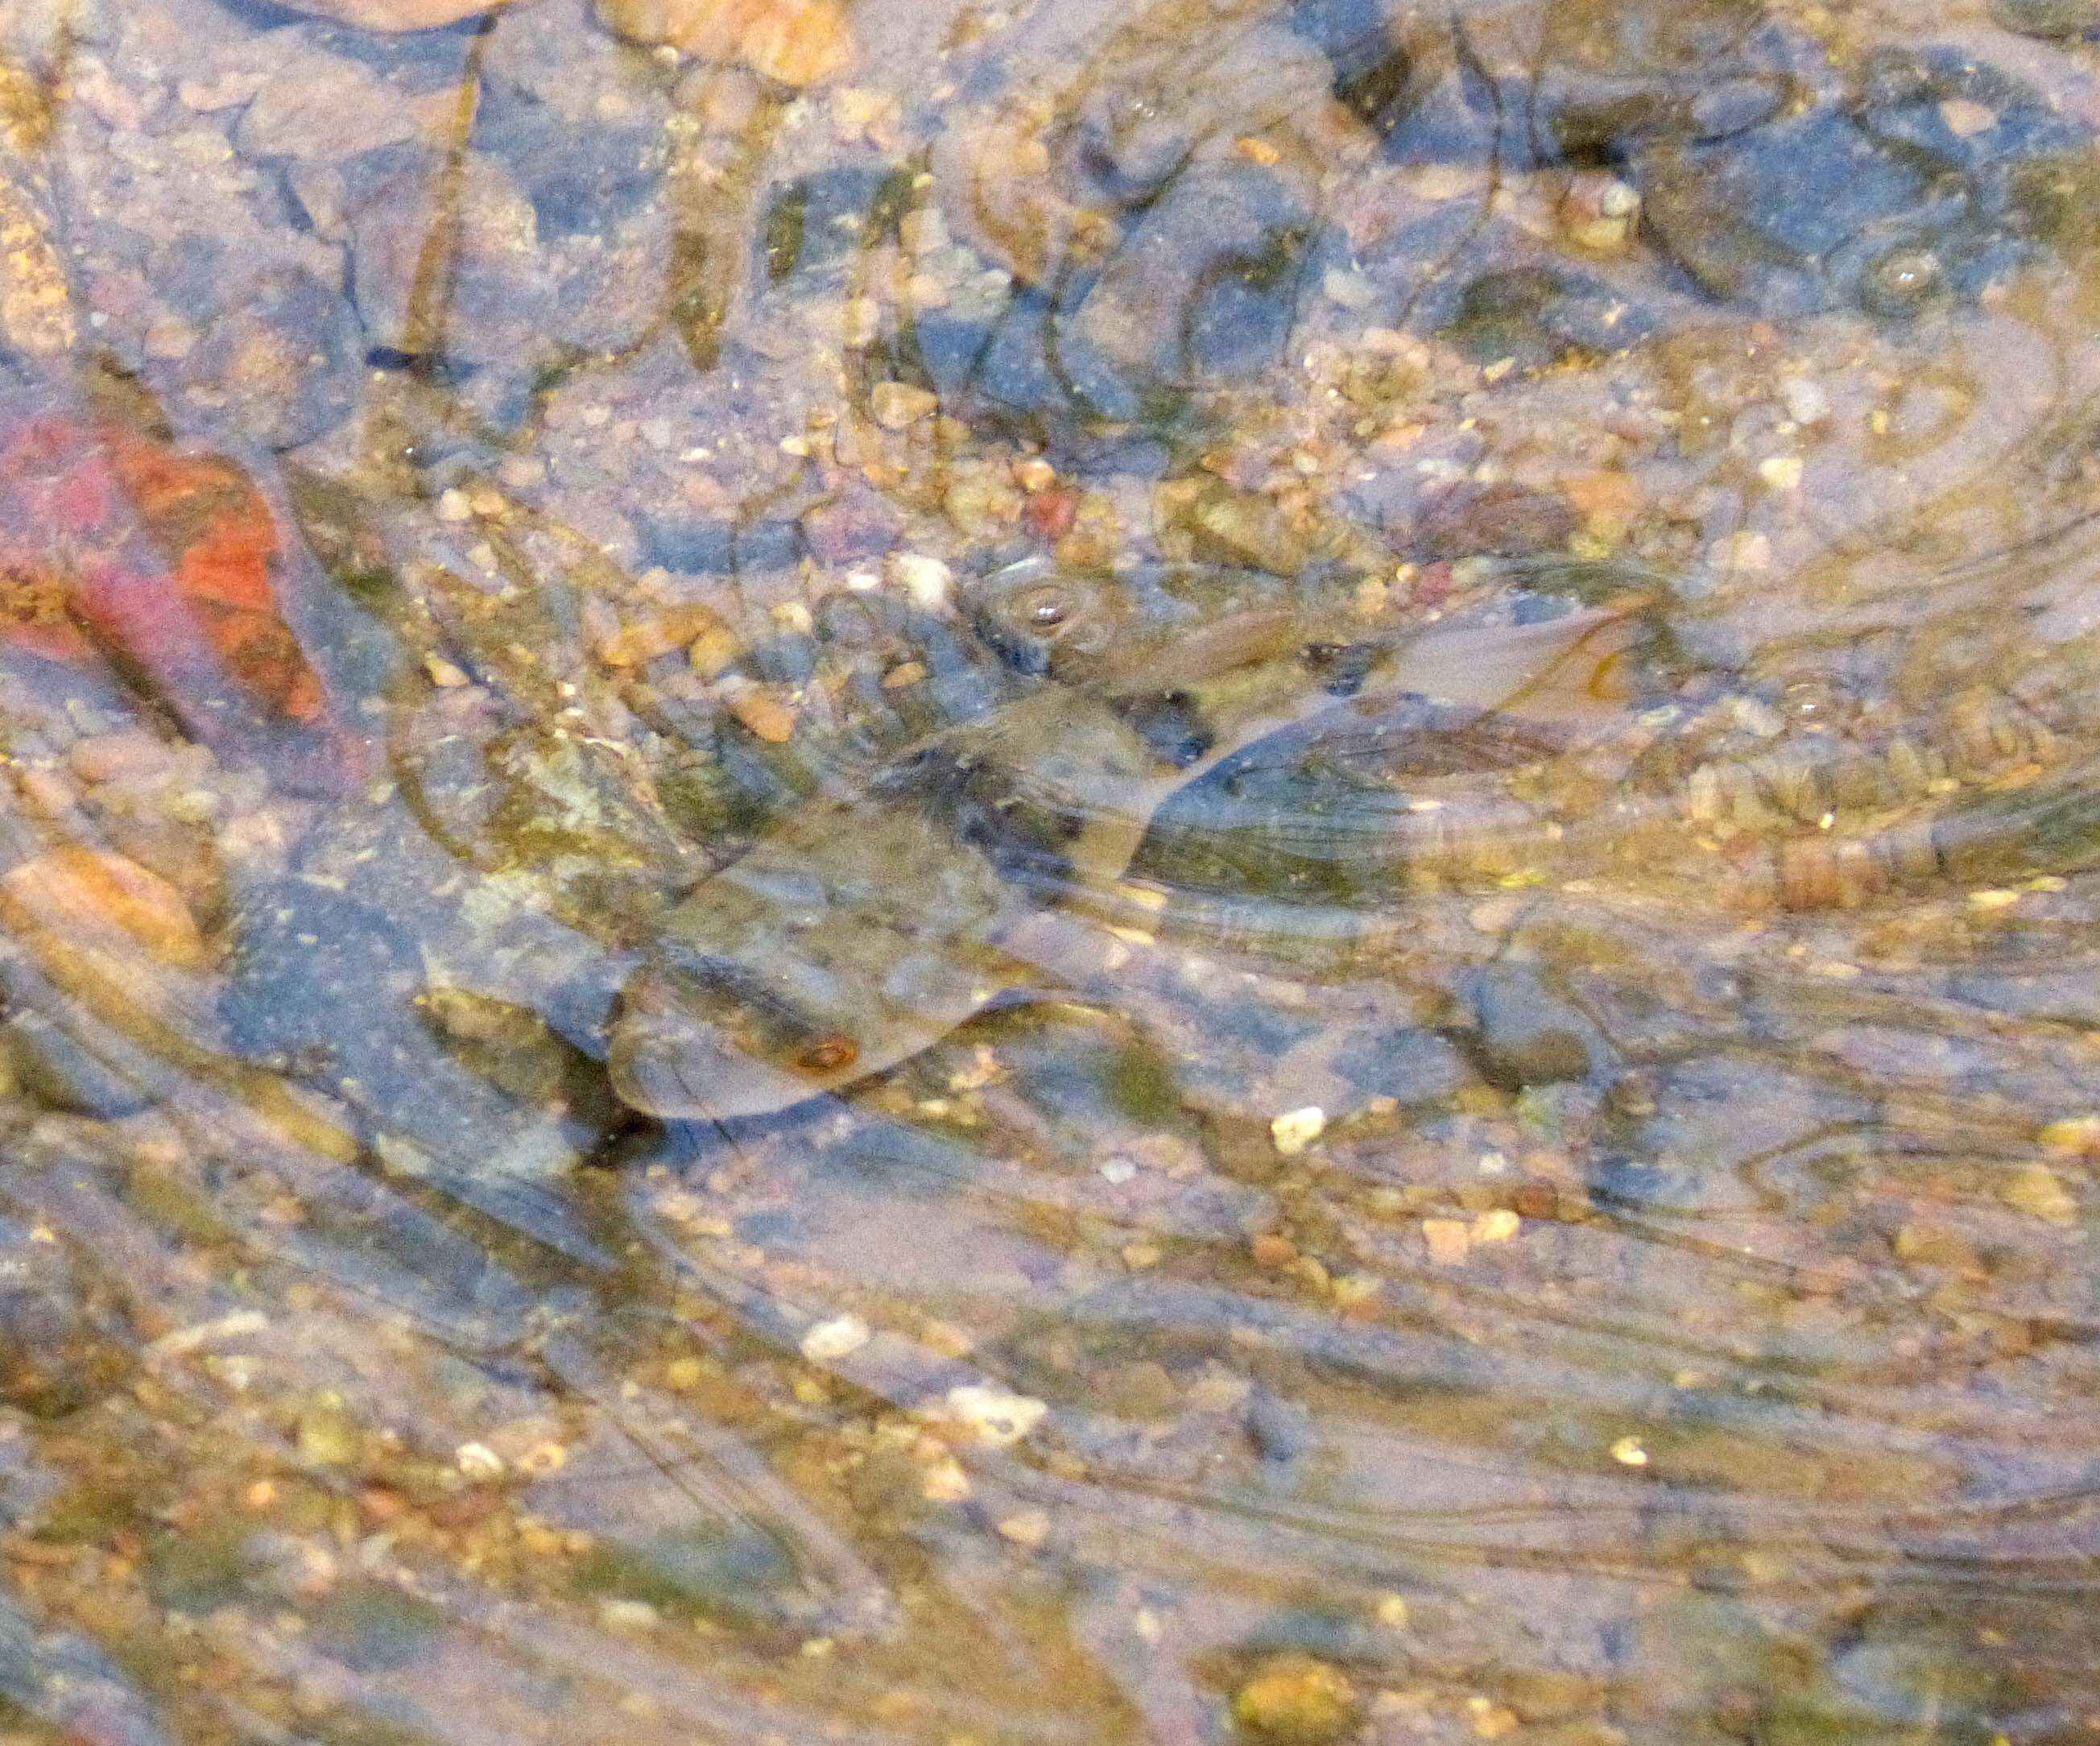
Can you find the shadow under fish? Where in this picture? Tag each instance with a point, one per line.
(324, 987)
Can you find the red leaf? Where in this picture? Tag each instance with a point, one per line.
(166, 561)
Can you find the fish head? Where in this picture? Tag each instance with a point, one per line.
(1158, 624)
(1048, 621)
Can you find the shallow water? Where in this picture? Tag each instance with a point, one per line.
(1216, 871)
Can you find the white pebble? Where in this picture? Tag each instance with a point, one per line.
(1027, 1528)
(1618, 200)
(840, 1337)
(1781, 472)
(928, 580)
(992, 1415)
(1296, 1130)
(477, 1460)
(1119, 1171)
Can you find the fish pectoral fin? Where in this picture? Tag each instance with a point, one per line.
(670, 1059)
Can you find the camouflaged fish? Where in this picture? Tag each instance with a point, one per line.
(868, 926)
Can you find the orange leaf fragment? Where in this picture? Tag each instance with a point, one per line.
(205, 519)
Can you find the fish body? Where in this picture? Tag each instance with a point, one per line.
(866, 927)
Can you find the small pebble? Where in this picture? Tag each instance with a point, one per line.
(2075, 1136)
(898, 406)
(713, 652)
(1492, 1721)
(477, 1460)
(761, 711)
(1965, 118)
(637, 643)
(117, 757)
(2037, 1191)
(1498, 1226)
(1029, 1529)
(927, 581)
(840, 1337)
(1272, 1251)
(1280, 1430)
(327, 1436)
(1449, 1241)
(991, 1415)
(1296, 1130)
(944, 1482)
(1295, 1700)
(1051, 515)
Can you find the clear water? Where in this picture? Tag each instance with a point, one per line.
(1209, 871)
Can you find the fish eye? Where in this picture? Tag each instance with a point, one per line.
(1046, 608)
(1036, 616)
(828, 1055)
